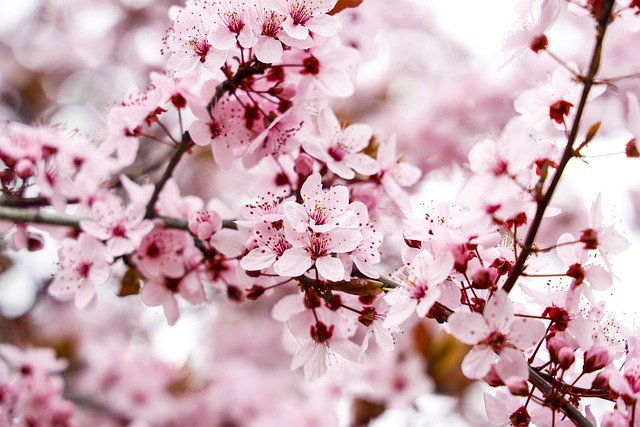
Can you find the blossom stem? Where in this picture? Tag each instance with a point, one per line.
(184, 145)
(588, 82)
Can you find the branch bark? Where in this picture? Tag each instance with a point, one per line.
(543, 204)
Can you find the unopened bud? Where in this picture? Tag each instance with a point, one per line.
(520, 418)
(24, 168)
(484, 278)
(517, 386)
(601, 381)
(255, 292)
(304, 165)
(596, 358)
(204, 224)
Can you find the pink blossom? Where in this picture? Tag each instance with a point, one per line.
(321, 210)
(271, 243)
(498, 337)
(419, 287)
(328, 66)
(268, 29)
(395, 173)
(367, 254)
(284, 134)
(84, 265)
(188, 42)
(223, 127)
(556, 101)
(341, 149)
(122, 227)
(204, 224)
(233, 26)
(162, 290)
(166, 252)
(529, 31)
(306, 16)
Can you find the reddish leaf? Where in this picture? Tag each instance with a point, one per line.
(344, 4)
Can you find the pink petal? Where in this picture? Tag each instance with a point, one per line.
(171, 310)
(268, 50)
(498, 311)
(470, 328)
(478, 361)
(512, 363)
(525, 333)
(330, 268)
(294, 262)
(84, 295)
(258, 259)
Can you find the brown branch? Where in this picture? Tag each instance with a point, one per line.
(588, 81)
(184, 145)
(571, 411)
(32, 216)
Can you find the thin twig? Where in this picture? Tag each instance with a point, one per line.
(528, 247)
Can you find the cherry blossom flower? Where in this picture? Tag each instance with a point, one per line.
(395, 173)
(188, 41)
(419, 288)
(306, 16)
(122, 227)
(165, 252)
(205, 224)
(233, 26)
(372, 317)
(268, 28)
(319, 250)
(321, 210)
(530, 30)
(367, 254)
(341, 149)
(582, 270)
(499, 338)
(603, 237)
(554, 101)
(284, 134)
(222, 127)
(271, 242)
(328, 65)
(84, 265)
(162, 290)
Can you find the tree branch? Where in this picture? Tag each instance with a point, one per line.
(571, 411)
(588, 81)
(32, 216)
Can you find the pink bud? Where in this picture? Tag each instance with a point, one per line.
(492, 378)
(205, 224)
(601, 381)
(484, 278)
(517, 386)
(24, 168)
(596, 358)
(560, 352)
(304, 165)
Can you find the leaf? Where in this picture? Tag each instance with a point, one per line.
(344, 4)
(130, 284)
(361, 287)
(593, 130)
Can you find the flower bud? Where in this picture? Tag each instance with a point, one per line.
(517, 386)
(596, 358)
(204, 224)
(24, 168)
(601, 381)
(304, 165)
